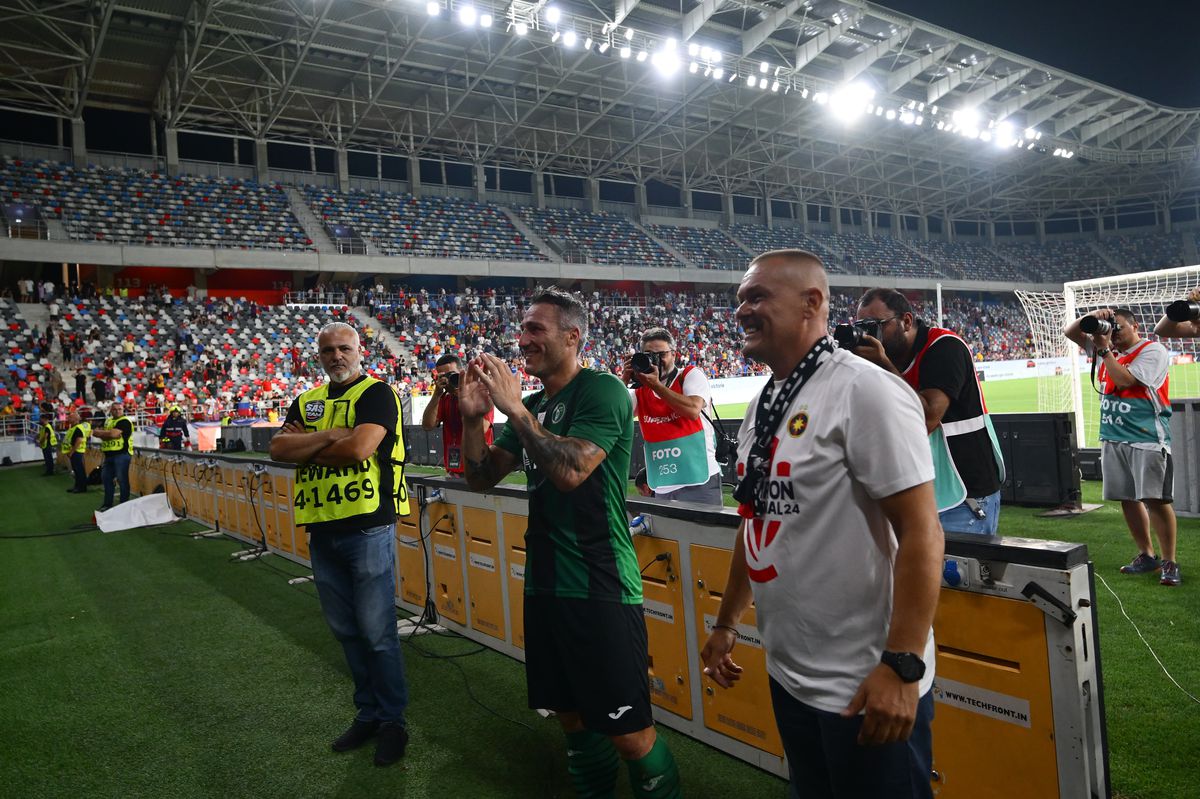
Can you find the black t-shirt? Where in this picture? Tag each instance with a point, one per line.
(377, 405)
(948, 367)
(126, 428)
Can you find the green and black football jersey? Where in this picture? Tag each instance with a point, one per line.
(578, 544)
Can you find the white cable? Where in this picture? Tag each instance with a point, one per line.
(1154, 654)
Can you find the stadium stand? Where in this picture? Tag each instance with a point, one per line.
(874, 255)
(1056, 261)
(127, 206)
(970, 260)
(705, 248)
(1141, 253)
(433, 227)
(602, 238)
(26, 374)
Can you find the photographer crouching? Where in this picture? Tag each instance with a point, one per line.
(939, 367)
(1135, 432)
(678, 439)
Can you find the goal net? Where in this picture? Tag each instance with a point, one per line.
(1063, 373)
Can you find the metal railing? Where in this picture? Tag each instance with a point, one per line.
(314, 297)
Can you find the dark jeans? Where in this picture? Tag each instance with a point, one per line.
(48, 457)
(825, 760)
(78, 470)
(356, 581)
(116, 467)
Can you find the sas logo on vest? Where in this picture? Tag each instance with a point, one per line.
(557, 415)
(798, 424)
(314, 410)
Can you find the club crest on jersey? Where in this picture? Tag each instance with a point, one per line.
(557, 415)
(797, 424)
(314, 410)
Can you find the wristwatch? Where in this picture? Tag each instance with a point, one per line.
(1100, 353)
(910, 667)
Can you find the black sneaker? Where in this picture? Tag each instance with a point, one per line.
(358, 734)
(103, 508)
(393, 739)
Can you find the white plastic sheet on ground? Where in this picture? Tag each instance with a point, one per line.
(141, 512)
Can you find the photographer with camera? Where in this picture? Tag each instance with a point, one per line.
(940, 367)
(1135, 432)
(678, 439)
(443, 410)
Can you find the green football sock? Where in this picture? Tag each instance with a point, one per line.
(655, 776)
(593, 764)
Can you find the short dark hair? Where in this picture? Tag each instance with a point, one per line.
(791, 254)
(571, 310)
(896, 302)
(1125, 313)
(658, 334)
(449, 357)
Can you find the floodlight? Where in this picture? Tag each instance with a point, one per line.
(554, 38)
(603, 48)
(642, 55)
(625, 51)
(670, 45)
(941, 125)
(485, 20)
(849, 102)
(587, 43)
(467, 15)
(629, 34)
(906, 117)
(432, 8)
(920, 120)
(804, 93)
(837, 18)
(718, 73)
(878, 110)
(1030, 133)
(666, 62)
(693, 67)
(1005, 134)
(890, 115)
(763, 67)
(553, 15)
(966, 118)
(521, 28)
(569, 39)
(820, 98)
(716, 56)
(774, 85)
(693, 49)
(987, 136)
(751, 81)
(732, 77)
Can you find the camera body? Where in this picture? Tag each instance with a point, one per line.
(1094, 326)
(452, 380)
(645, 362)
(850, 335)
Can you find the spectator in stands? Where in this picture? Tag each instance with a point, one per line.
(443, 410)
(75, 443)
(354, 420)
(938, 365)
(174, 433)
(1135, 434)
(585, 636)
(836, 471)
(116, 442)
(677, 436)
(48, 438)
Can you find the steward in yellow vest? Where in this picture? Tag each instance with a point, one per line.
(116, 442)
(347, 442)
(47, 439)
(75, 443)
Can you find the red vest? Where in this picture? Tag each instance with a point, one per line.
(452, 433)
(659, 421)
(912, 375)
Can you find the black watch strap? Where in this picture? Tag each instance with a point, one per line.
(909, 667)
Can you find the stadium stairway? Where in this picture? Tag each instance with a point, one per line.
(54, 228)
(1116, 266)
(676, 254)
(1190, 253)
(937, 268)
(530, 234)
(394, 345)
(308, 220)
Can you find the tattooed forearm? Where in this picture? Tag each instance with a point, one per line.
(566, 462)
(483, 472)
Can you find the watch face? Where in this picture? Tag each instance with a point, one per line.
(910, 667)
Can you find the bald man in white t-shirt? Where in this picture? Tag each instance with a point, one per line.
(840, 548)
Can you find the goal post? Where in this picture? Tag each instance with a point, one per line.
(1063, 382)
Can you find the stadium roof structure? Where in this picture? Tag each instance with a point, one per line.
(865, 107)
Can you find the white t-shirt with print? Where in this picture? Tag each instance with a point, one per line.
(695, 384)
(821, 559)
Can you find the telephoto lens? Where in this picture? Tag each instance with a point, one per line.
(1184, 311)
(452, 379)
(1092, 326)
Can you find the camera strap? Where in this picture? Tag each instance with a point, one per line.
(751, 491)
